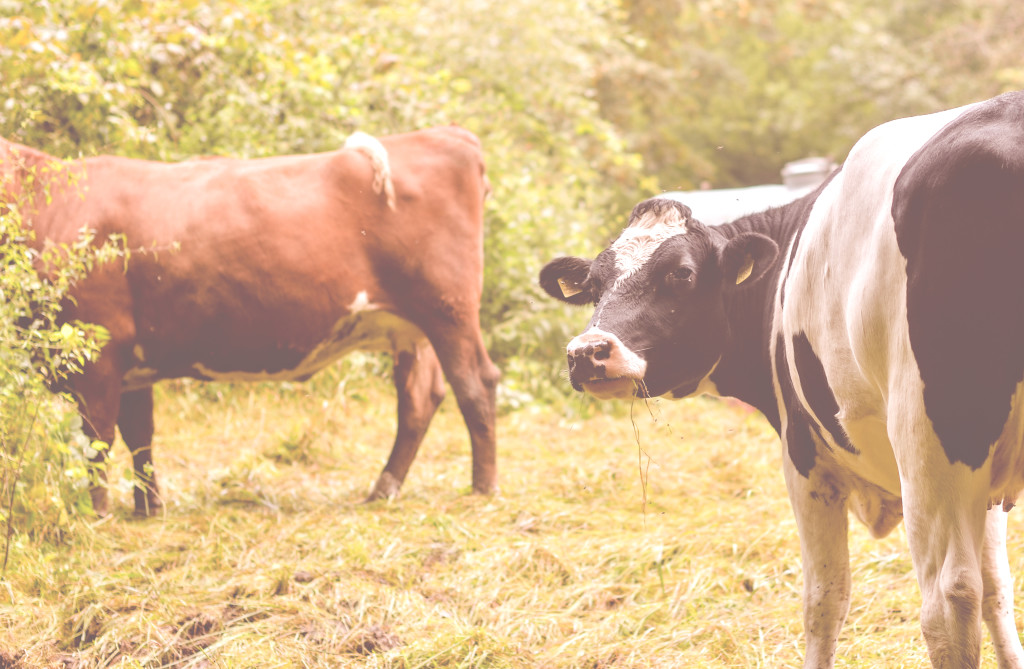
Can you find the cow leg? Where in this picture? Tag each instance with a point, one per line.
(946, 533)
(944, 508)
(98, 392)
(474, 380)
(997, 601)
(420, 385)
(822, 522)
(135, 421)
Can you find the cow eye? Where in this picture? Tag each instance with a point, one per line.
(680, 277)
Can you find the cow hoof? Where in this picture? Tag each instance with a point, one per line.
(386, 487)
(100, 501)
(485, 484)
(147, 500)
(153, 508)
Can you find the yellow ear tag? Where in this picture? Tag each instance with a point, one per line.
(569, 289)
(746, 270)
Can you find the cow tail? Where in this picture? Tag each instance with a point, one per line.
(372, 148)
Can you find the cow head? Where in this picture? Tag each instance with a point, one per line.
(659, 294)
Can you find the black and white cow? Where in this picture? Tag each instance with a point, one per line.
(878, 323)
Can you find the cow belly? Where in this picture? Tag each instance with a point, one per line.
(872, 476)
(874, 462)
(379, 331)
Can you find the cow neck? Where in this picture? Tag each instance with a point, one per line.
(745, 370)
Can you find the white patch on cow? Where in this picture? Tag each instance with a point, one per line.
(706, 385)
(623, 368)
(203, 372)
(362, 303)
(641, 239)
(621, 360)
(137, 378)
(1008, 455)
(372, 148)
(139, 353)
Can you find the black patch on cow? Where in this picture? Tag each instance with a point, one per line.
(958, 207)
(799, 441)
(583, 368)
(818, 393)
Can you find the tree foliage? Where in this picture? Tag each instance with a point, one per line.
(246, 78)
(727, 91)
(583, 106)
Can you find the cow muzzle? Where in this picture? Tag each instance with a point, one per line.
(600, 364)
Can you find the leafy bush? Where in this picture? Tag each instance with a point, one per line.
(172, 80)
(43, 452)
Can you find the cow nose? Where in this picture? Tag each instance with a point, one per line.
(585, 351)
(592, 347)
(602, 365)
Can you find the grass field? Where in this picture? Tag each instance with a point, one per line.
(664, 539)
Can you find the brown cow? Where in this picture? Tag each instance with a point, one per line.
(270, 269)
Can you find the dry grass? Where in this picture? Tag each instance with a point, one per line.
(266, 558)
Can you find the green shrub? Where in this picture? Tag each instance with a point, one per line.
(172, 80)
(43, 452)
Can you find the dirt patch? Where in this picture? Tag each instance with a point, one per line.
(191, 635)
(372, 639)
(83, 626)
(330, 635)
(441, 554)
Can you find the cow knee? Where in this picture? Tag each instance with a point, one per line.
(478, 388)
(437, 388)
(951, 618)
(482, 389)
(437, 392)
(490, 375)
(962, 590)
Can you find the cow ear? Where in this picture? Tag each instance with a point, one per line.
(746, 257)
(565, 279)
